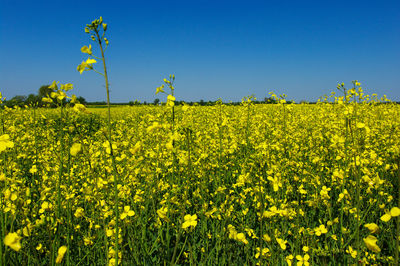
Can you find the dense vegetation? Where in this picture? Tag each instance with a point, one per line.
(212, 185)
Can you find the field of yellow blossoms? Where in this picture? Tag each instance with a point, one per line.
(281, 184)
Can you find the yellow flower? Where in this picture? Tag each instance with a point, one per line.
(81, 67)
(54, 85)
(109, 232)
(127, 212)
(90, 61)
(106, 145)
(289, 260)
(190, 220)
(79, 212)
(61, 95)
(27, 230)
(185, 107)
(162, 213)
(86, 65)
(5, 142)
(80, 108)
(47, 100)
(170, 100)
(160, 89)
(33, 169)
(303, 260)
(13, 241)
(169, 145)
(370, 242)
(241, 238)
(395, 211)
(61, 252)
(263, 253)
(75, 149)
(276, 183)
(87, 50)
(352, 252)
(267, 238)
(325, 192)
(360, 125)
(87, 241)
(386, 217)
(136, 148)
(232, 231)
(320, 230)
(45, 206)
(372, 227)
(14, 197)
(282, 243)
(67, 86)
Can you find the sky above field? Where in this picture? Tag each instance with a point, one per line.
(216, 49)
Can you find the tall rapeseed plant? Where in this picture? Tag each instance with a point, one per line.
(97, 30)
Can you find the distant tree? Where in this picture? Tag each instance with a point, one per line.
(44, 91)
(136, 102)
(82, 100)
(201, 102)
(269, 100)
(32, 99)
(156, 101)
(18, 100)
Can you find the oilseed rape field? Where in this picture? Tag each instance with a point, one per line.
(296, 184)
(169, 184)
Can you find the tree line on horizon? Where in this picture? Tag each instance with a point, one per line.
(201, 102)
(44, 91)
(36, 99)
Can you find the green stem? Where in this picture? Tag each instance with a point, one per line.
(178, 236)
(61, 169)
(115, 172)
(180, 253)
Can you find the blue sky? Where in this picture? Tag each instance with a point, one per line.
(216, 49)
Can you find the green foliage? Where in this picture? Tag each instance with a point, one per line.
(45, 91)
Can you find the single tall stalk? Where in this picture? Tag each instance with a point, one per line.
(94, 28)
(61, 169)
(109, 134)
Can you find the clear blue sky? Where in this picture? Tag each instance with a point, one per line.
(216, 49)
